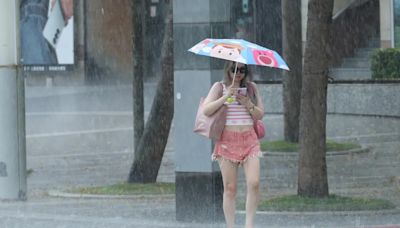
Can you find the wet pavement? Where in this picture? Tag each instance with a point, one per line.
(83, 137)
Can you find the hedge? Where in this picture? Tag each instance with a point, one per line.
(385, 63)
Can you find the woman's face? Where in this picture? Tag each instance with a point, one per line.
(241, 71)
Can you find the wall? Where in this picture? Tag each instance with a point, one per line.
(360, 99)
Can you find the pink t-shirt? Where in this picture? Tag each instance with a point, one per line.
(237, 114)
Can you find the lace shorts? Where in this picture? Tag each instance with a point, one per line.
(237, 147)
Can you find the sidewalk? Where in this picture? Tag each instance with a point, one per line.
(80, 155)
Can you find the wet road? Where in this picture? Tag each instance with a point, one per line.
(83, 136)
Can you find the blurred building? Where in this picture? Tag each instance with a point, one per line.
(103, 36)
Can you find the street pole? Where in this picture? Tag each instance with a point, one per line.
(13, 184)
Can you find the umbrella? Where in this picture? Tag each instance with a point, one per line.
(239, 50)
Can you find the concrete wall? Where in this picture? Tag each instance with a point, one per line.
(361, 99)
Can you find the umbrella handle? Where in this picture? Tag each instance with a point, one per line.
(234, 75)
(230, 99)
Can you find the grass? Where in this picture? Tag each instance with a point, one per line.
(129, 189)
(285, 203)
(284, 146)
(331, 203)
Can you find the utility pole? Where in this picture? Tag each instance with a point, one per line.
(13, 184)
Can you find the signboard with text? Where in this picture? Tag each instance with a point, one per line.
(47, 35)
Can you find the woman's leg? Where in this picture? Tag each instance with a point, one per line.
(252, 172)
(229, 178)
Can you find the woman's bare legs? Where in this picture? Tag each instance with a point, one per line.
(252, 172)
(229, 178)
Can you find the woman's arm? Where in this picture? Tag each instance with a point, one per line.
(214, 100)
(256, 110)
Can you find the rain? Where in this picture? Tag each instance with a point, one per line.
(69, 101)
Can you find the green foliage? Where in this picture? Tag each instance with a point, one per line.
(330, 203)
(278, 146)
(335, 146)
(385, 63)
(129, 189)
(284, 146)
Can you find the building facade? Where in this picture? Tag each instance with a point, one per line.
(103, 37)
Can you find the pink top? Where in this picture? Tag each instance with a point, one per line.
(236, 114)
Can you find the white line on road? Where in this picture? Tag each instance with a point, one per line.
(59, 219)
(65, 155)
(103, 113)
(69, 133)
(168, 149)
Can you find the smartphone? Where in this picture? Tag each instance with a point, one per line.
(54, 25)
(242, 91)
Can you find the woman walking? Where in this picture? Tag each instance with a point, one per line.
(238, 145)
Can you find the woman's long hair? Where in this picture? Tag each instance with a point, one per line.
(248, 77)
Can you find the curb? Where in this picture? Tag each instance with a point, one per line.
(339, 213)
(56, 193)
(363, 149)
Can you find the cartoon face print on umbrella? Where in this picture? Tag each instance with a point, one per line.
(200, 46)
(265, 58)
(227, 51)
(239, 51)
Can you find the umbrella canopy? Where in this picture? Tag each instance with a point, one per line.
(239, 50)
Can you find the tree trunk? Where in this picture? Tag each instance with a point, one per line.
(292, 53)
(312, 177)
(150, 151)
(138, 55)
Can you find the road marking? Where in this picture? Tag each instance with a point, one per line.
(69, 133)
(168, 150)
(29, 217)
(102, 113)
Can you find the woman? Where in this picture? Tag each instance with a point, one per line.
(238, 144)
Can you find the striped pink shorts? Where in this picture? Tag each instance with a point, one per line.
(237, 147)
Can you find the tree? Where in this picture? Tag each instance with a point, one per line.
(151, 146)
(292, 53)
(312, 176)
(138, 19)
